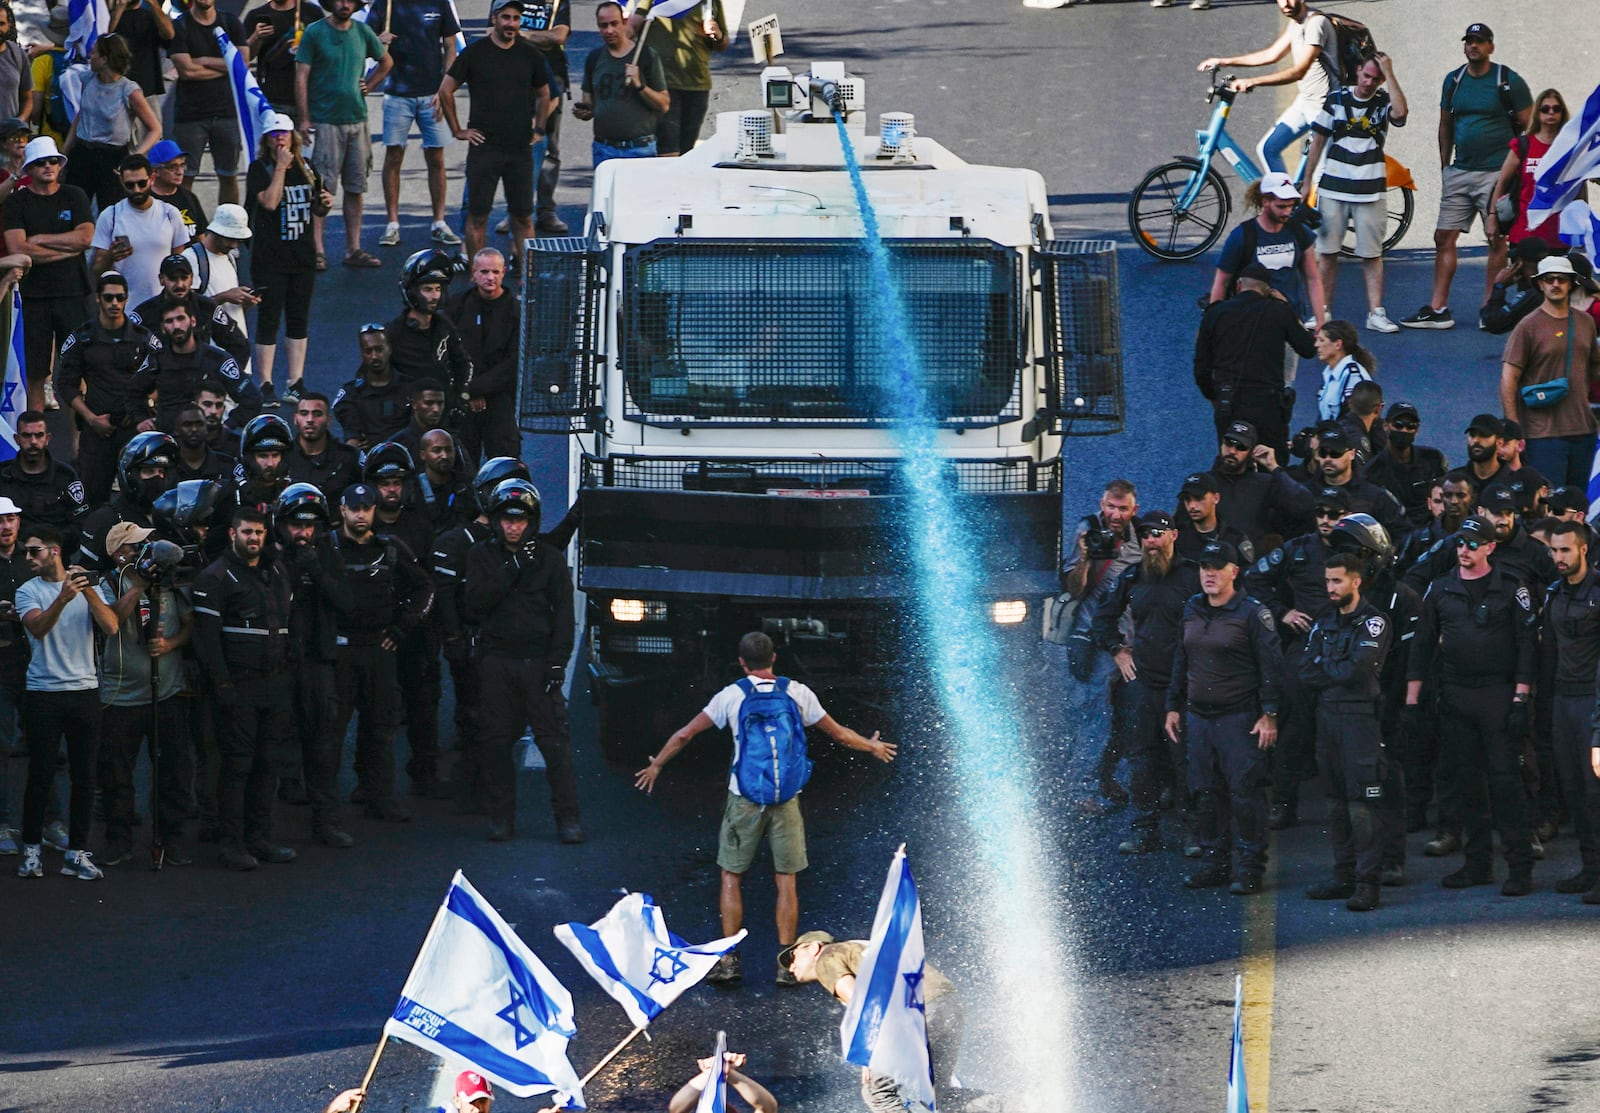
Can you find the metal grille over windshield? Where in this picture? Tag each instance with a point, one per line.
(784, 331)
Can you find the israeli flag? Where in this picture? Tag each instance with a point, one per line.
(1571, 161)
(250, 104)
(14, 393)
(89, 19)
(477, 993)
(1238, 1091)
(666, 9)
(637, 960)
(885, 1027)
(714, 1098)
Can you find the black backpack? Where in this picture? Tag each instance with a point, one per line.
(1354, 45)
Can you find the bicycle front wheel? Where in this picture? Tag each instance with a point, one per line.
(1402, 204)
(1169, 230)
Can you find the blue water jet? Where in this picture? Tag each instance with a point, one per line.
(992, 765)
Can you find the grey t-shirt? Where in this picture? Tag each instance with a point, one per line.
(125, 664)
(1322, 78)
(63, 660)
(620, 113)
(16, 78)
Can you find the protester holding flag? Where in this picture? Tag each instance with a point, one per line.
(706, 1091)
(684, 34)
(205, 114)
(1564, 173)
(624, 91)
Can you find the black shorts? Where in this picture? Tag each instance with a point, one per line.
(488, 167)
(678, 130)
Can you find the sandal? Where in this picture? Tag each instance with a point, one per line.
(359, 258)
(322, 261)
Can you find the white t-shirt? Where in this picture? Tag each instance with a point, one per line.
(723, 709)
(224, 276)
(155, 233)
(63, 660)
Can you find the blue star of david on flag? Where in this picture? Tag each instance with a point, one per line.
(13, 388)
(914, 990)
(667, 966)
(523, 1034)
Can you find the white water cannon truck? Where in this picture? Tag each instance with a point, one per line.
(713, 346)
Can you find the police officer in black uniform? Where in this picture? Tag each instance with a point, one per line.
(519, 594)
(443, 492)
(182, 365)
(1199, 523)
(261, 474)
(144, 471)
(1336, 458)
(47, 491)
(1456, 499)
(196, 458)
(375, 405)
(96, 364)
(392, 597)
(423, 341)
(1343, 664)
(1569, 658)
(322, 595)
(317, 457)
(212, 325)
(1479, 624)
(1154, 592)
(1257, 496)
(1407, 469)
(241, 633)
(1223, 703)
(1290, 581)
(1516, 554)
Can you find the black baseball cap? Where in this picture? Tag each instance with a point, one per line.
(1256, 273)
(1334, 498)
(174, 265)
(1152, 519)
(358, 496)
(1475, 525)
(1200, 483)
(1218, 553)
(1244, 433)
(1499, 498)
(1334, 440)
(1511, 429)
(1478, 31)
(1567, 498)
(1402, 409)
(1487, 423)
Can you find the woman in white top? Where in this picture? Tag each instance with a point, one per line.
(1344, 364)
(102, 134)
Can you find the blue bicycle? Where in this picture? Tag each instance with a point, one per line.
(1181, 208)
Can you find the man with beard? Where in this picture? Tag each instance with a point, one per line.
(181, 367)
(48, 492)
(1154, 592)
(316, 457)
(241, 634)
(1484, 434)
(1198, 498)
(1336, 456)
(1404, 467)
(1255, 495)
(196, 458)
(374, 406)
(1480, 626)
(221, 436)
(423, 343)
(93, 371)
(446, 496)
(427, 415)
(1456, 498)
(212, 323)
(1342, 664)
(1519, 556)
(1515, 471)
(1291, 582)
(1570, 654)
(262, 472)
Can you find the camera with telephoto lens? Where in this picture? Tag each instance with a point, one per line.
(157, 563)
(1099, 543)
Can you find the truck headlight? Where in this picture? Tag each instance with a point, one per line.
(1007, 612)
(638, 610)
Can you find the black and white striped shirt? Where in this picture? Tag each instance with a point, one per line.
(1354, 168)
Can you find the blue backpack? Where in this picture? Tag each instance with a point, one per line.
(769, 759)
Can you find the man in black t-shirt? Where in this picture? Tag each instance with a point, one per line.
(274, 30)
(147, 29)
(168, 167)
(50, 223)
(510, 93)
(205, 114)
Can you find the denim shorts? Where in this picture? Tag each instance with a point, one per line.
(400, 112)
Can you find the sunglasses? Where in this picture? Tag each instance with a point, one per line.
(1332, 453)
(113, 297)
(1543, 108)
(1555, 278)
(49, 160)
(369, 327)
(1237, 445)
(136, 187)
(1470, 543)
(1157, 532)
(1329, 512)
(34, 550)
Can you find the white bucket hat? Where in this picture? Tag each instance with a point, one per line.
(42, 147)
(231, 221)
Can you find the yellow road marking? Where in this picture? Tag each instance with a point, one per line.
(1260, 946)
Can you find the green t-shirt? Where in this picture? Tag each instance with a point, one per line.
(684, 51)
(1482, 129)
(835, 960)
(338, 60)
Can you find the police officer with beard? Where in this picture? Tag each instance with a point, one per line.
(241, 635)
(212, 325)
(1455, 502)
(1516, 554)
(1342, 664)
(262, 472)
(374, 406)
(519, 594)
(1569, 657)
(1154, 592)
(1479, 624)
(322, 596)
(1223, 703)
(1255, 495)
(1336, 458)
(423, 342)
(47, 491)
(182, 365)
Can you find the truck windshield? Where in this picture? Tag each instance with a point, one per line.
(762, 331)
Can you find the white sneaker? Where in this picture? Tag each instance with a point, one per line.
(80, 864)
(1200, 5)
(504, 227)
(390, 237)
(50, 402)
(444, 234)
(1378, 321)
(32, 864)
(8, 841)
(55, 836)
(1161, 3)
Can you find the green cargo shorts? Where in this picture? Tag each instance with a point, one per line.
(744, 825)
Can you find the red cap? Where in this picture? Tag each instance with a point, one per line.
(472, 1086)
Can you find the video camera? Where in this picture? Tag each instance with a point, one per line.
(158, 563)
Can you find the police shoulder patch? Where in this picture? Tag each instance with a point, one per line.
(76, 493)
(1375, 626)
(1276, 556)
(229, 369)
(1263, 567)
(70, 343)
(1266, 619)
(1524, 600)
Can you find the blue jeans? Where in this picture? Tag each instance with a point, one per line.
(604, 151)
(1564, 461)
(1290, 126)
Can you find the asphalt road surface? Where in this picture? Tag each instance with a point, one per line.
(201, 990)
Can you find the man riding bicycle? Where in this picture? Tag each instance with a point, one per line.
(1312, 48)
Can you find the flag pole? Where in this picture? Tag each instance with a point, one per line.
(638, 47)
(372, 1069)
(610, 1055)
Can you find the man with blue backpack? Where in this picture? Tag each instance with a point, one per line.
(769, 715)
